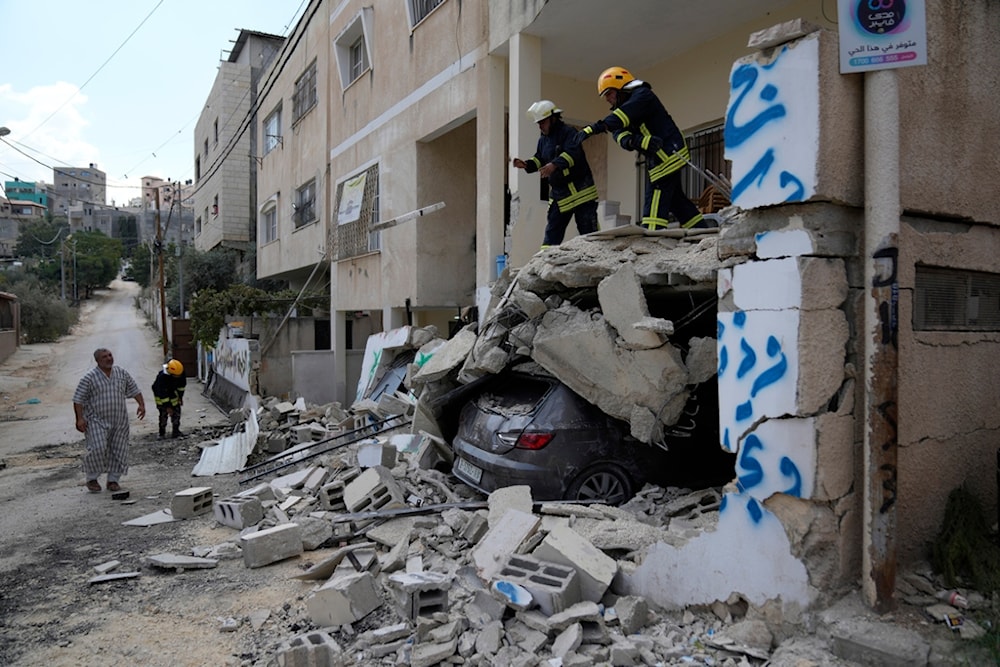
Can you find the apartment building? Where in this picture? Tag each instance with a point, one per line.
(37, 192)
(77, 186)
(226, 150)
(864, 296)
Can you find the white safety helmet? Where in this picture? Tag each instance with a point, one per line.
(541, 110)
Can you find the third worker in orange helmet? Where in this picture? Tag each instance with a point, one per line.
(639, 122)
(168, 392)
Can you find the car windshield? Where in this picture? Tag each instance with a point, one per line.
(513, 395)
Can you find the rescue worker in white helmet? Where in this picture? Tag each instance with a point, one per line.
(639, 122)
(559, 157)
(168, 393)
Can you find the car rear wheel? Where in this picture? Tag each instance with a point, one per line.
(603, 483)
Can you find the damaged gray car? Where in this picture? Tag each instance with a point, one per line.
(531, 429)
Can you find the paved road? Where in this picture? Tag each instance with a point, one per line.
(49, 374)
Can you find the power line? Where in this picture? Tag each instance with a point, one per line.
(284, 55)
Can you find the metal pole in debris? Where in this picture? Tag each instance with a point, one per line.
(379, 226)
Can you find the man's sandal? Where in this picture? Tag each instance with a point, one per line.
(114, 487)
(94, 486)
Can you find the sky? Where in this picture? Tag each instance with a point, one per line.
(116, 83)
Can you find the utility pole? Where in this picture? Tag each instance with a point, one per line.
(159, 259)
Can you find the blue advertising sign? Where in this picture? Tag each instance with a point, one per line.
(881, 34)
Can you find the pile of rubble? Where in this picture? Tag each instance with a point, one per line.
(419, 570)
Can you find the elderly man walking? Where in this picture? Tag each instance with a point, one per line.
(102, 416)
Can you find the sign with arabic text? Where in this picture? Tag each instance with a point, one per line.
(881, 34)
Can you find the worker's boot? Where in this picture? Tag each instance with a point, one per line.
(176, 433)
(162, 434)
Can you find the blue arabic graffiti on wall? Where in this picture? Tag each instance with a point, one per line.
(758, 377)
(772, 126)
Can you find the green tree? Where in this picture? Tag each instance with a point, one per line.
(97, 260)
(210, 307)
(137, 269)
(44, 317)
(41, 238)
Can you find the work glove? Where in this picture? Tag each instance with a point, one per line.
(628, 141)
(589, 130)
(650, 144)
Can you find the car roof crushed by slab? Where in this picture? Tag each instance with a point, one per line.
(625, 318)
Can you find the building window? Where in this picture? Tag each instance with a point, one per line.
(206, 149)
(305, 93)
(269, 220)
(197, 226)
(956, 300)
(197, 168)
(357, 212)
(419, 9)
(215, 129)
(351, 48)
(305, 204)
(215, 206)
(707, 149)
(272, 130)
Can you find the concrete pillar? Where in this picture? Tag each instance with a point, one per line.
(525, 88)
(881, 324)
(338, 341)
(491, 121)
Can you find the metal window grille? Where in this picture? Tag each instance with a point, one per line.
(272, 130)
(304, 98)
(707, 148)
(356, 238)
(359, 58)
(305, 204)
(269, 224)
(421, 8)
(956, 300)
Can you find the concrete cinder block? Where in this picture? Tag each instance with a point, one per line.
(374, 489)
(373, 454)
(503, 539)
(343, 599)
(191, 502)
(420, 593)
(312, 649)
(238, 512)
(302, 433)
(554, 587)
(331, 496)
(596, 570)
(271, 545)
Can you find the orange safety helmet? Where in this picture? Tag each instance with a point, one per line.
(175, 368)
(613, 77)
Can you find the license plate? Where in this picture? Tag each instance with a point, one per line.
(475, 473)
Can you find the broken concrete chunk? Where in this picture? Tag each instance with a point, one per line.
(180, 563)
(271, 545)
(508, 498)
(344, 599)
(374, 489)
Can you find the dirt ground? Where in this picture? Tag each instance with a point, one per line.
(54, 532)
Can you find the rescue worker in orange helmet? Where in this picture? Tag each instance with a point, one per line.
(639, 122)
(559, 157)
(168, 393)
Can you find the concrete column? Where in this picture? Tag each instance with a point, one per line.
(490, 124)
(525, 88)
(338, 343)
(881, 324)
